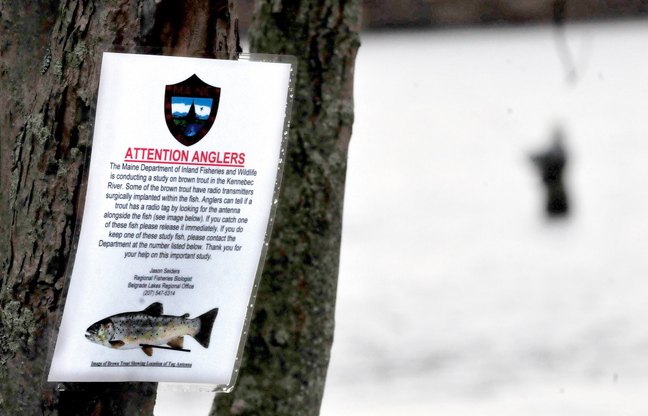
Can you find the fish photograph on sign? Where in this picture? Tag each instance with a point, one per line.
(150, 329)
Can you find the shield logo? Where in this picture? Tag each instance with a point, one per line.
(190, 109)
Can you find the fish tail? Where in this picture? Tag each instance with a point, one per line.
(206, 324)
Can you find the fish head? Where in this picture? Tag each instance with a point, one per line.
(101, 332)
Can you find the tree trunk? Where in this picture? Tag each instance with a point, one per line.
(287, 354)
(49, 72)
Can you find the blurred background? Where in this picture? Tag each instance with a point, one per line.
(459, 293)
(379, 14)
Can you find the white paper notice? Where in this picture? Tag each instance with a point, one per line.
(181, 184)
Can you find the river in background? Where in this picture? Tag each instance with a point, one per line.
(457, 296)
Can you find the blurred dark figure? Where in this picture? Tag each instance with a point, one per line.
(551, 164)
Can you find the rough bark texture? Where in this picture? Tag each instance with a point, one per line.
(287, 354)
(49, 67)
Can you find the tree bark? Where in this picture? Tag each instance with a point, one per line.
(49, 72)
(287, 354)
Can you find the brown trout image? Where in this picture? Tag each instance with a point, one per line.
(149, 328)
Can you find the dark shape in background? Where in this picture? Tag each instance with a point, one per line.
(551, 164)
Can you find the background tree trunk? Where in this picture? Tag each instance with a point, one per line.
(49, 71)
(287, 354)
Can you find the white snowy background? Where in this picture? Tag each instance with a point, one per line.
(456, 295)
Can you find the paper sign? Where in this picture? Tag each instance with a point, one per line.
(184, 168)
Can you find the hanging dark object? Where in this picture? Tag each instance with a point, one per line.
(558, 18)
(551, 164)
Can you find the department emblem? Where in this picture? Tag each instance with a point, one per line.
(190, 109)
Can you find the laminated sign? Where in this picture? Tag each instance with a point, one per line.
(182, 184)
